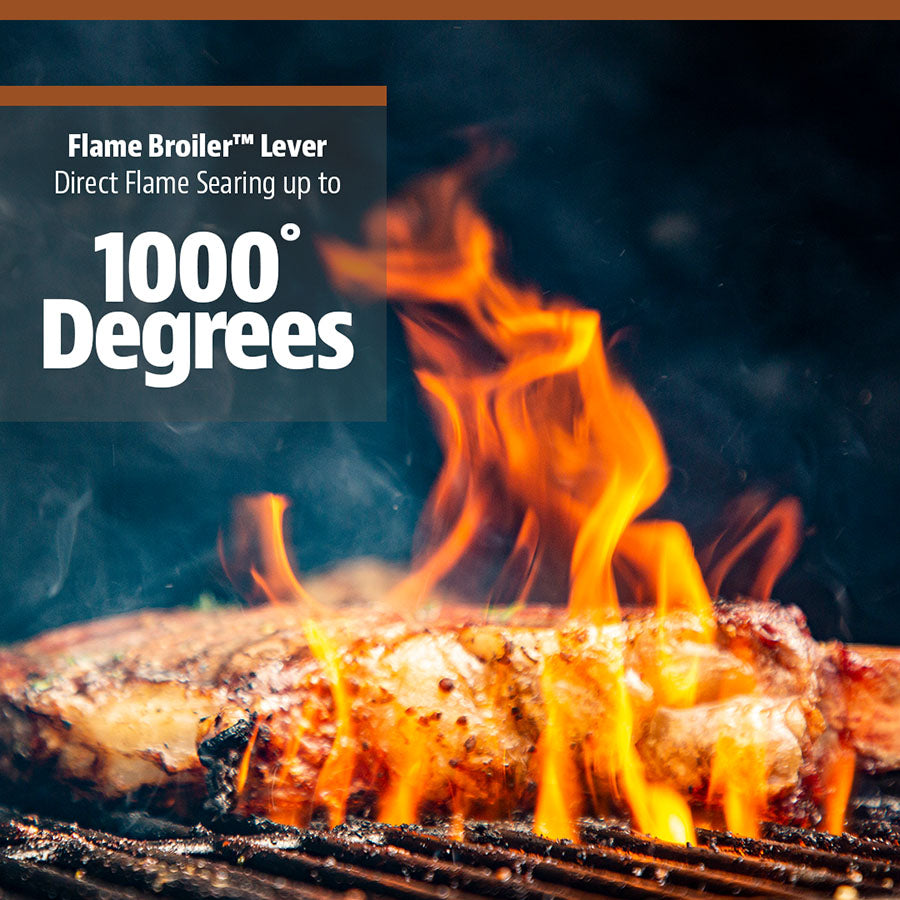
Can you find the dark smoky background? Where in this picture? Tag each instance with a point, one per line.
(726, 194)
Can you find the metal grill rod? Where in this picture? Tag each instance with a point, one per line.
(365, 860)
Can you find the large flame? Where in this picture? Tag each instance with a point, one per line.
(542, 440)
(548, 446)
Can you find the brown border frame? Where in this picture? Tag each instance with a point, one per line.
(280, 10)
(193, 95)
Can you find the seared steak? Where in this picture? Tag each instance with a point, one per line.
(449, 707)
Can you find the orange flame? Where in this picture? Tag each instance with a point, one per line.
(524, 402)
(336, 775)
(662, 570)
(240, 781)
(779, 530)
(558, 807)
(258, 552)
(658, 810)
(839, 772)
(526, 406)
(406, 784)
(744, 797)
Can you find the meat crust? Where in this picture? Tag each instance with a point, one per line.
(116, 709)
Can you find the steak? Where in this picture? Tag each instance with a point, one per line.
(243, 709)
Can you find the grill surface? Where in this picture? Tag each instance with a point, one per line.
(41, 857)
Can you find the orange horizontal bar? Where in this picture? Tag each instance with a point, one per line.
(226, 10)
(192, 95)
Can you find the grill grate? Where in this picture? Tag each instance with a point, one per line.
(45, 858)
